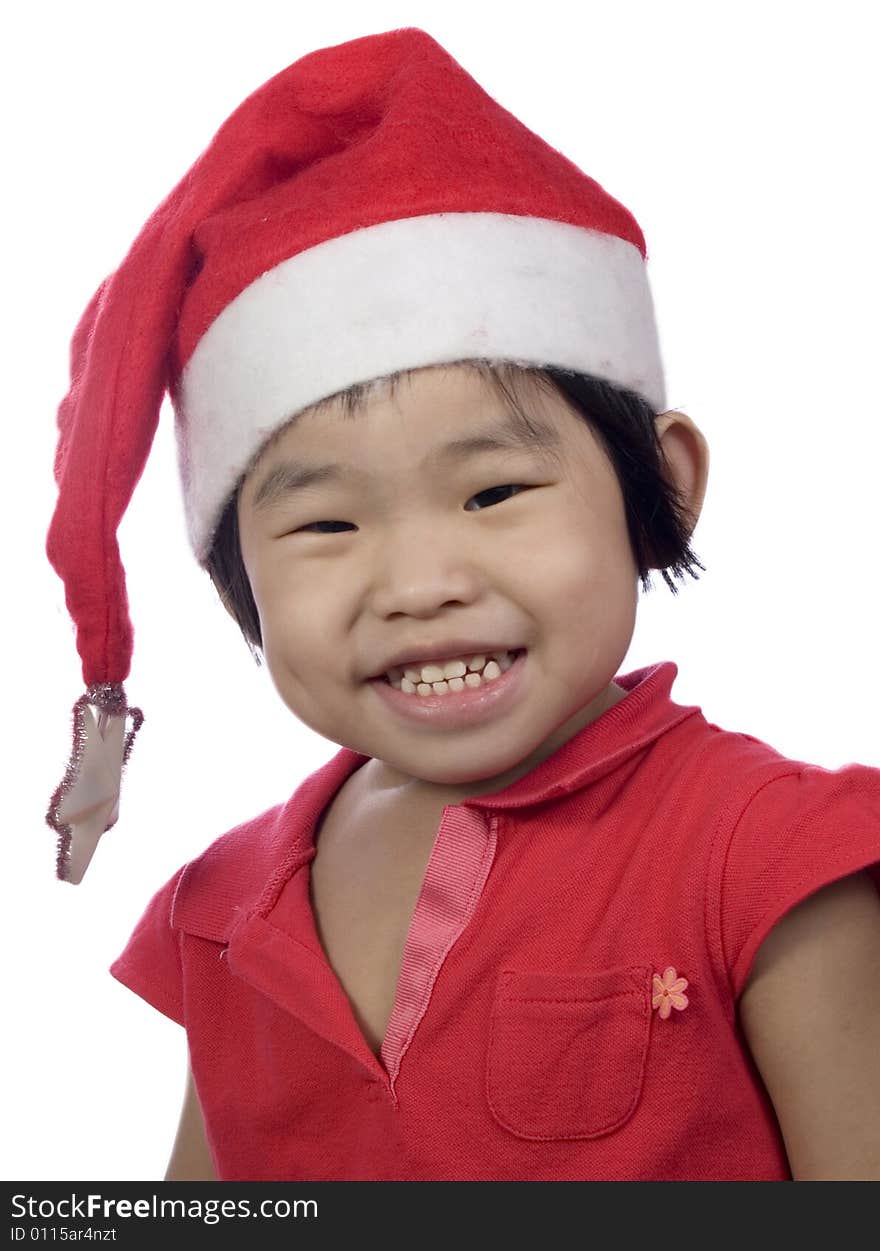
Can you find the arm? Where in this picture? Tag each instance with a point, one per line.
(190, 1157)
(811, 1014)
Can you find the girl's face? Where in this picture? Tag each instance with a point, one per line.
(407, 547)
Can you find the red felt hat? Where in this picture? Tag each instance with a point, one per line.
(369, 209)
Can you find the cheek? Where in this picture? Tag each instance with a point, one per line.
(582, 569)
(300, 613)
(578, 545)
(276, 584)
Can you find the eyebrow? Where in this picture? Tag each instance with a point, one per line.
(512, 432)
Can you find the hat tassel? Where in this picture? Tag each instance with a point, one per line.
(86, 803)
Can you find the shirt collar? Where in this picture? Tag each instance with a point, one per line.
(617, 734)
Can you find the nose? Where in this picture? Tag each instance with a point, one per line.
(422, 569)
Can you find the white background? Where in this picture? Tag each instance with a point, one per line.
(742, 137)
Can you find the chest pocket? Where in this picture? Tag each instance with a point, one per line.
(567, 1052)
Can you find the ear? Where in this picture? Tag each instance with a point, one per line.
(687, 456)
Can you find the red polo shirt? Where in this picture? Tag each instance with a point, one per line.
(542, 1028)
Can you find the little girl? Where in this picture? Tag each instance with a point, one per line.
(534, 920)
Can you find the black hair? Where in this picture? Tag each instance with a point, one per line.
(656, 514)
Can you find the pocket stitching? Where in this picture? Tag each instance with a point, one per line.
(641, 995)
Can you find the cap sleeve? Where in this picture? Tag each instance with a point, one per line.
(799, 832)
(150, 964)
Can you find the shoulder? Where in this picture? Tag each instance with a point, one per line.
(810, 1012)
(793, 829)
(241, 868)
(229, 876)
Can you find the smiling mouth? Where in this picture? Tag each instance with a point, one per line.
(440, 678)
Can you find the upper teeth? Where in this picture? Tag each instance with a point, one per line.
(442, 670)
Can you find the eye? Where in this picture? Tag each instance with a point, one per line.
(510, 486)
(313, 527)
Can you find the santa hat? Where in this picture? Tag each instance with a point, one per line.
(369, 209)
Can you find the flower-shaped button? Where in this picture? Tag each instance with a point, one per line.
(668, 992)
